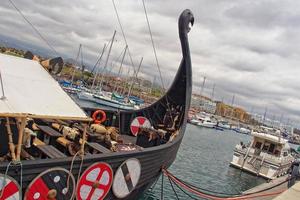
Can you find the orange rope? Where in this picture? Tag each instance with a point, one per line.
(212, 197)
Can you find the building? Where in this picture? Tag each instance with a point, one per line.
(228, 111)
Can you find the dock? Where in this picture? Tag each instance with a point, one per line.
(292, 193)
(270, 184)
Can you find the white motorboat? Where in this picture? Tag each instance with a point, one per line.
(223, 124)
(207, 122)
(268, 156)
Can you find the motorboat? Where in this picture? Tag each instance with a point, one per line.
(207, 122)
(268, 156)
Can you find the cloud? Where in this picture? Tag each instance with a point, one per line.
(247, 48)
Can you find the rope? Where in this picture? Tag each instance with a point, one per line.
(5, 177)
(162, 188)
(153, 46)
(157, 63)
(173, 188)
(71, 168)
(215, 197)
(185, 191)
(33, 27)
(123, 33)
(151, 189)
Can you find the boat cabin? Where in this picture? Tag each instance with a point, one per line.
(270, 144)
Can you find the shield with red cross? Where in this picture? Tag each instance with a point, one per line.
(137, 123)
(9, 188)
(54, 183)
(95, 182)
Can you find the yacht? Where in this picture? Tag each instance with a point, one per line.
(223, 124)
(242, 130)
(268, 156)
(207, 122)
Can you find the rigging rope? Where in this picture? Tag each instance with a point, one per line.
(158, 67)
(153, 186)
(173, 188)
(33, 27)
(123, 34)
(153, 46)
(205, 195)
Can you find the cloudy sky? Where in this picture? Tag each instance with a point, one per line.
(247, 48)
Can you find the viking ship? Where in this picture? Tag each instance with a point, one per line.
(41, 158)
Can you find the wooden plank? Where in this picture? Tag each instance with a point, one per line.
(17, 115)
(51, 151)
(50, 131)
(37, 142)
(98, 147)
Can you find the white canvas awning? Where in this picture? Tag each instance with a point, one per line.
(31, 91)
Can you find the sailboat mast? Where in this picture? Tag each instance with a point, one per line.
(76, 63)
(202, 87)
(136, 74)
(97, 73)
(107, 58)
(120, 68)
(213, 92)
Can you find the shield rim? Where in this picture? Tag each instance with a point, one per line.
(15, 182)
(49, 170)
(119, 168)
(96, 163)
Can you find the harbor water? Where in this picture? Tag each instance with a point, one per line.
(203, 160)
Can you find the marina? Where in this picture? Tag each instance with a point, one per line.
(93, 123)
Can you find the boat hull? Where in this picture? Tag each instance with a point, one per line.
(151, 159)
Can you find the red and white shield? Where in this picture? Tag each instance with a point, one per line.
(95, 182)
(9, 188)
(137, 123)
(55, 179)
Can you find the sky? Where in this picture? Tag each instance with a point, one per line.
(246, 48)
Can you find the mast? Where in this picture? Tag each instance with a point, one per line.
(265, 114)
(232, 103)
(98, 61)
(136, 74)
(152, 84)
(76, 63)
(213, 92)
(120, 68)
(107, 58)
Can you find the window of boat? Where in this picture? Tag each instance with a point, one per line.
(258, 145)
(285, 153)
(271, 148)
(266, 146)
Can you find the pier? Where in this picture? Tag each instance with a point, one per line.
(291, 194)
